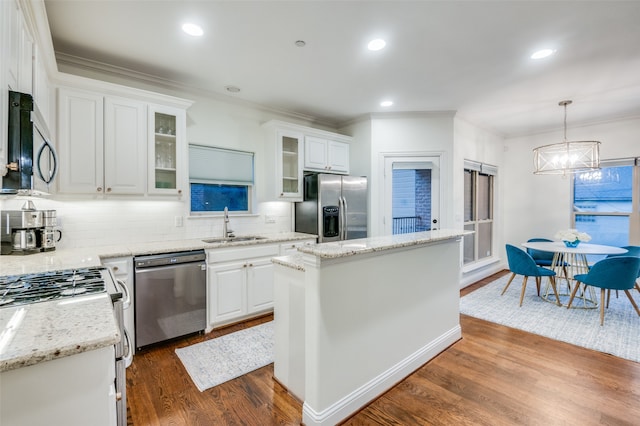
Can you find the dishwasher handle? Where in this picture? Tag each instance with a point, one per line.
(168, 259)
(140, 271)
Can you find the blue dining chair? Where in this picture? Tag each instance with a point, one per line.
(631, 251)
(521, 263)
(613, 273)
(542, 258)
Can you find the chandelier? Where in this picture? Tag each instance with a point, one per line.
(568, 156)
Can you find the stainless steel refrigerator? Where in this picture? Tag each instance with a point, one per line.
(334, 207)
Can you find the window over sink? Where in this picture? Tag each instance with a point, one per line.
(220, 178)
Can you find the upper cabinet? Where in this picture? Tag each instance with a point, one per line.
(282, 164)
(167, 146)
(291, 149)
(16, 62)
(80, 141)
(18, 49)
(102, 143)
(125, 145)
(326, 155)
(112, 144)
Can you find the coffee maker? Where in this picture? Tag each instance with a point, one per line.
(28, 231)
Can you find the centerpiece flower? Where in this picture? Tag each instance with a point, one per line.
(572, 237)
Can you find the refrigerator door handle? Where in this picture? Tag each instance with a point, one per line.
(344, 210)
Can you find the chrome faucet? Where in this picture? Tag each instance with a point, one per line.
(226, 232)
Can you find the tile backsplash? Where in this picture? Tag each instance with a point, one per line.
(89, 223)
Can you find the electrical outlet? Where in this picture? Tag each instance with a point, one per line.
(269, 219)
(178, 221)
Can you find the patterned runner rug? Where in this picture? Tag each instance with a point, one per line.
(218, 360)
(620, 335)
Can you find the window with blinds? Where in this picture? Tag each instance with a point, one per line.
(220, 178)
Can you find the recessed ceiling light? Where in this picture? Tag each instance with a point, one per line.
(543, 53)
(192, 29)
(232, 89)
(386, 103)
(376, 44)
(300, 43)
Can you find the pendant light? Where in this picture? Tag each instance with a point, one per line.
(567, 156)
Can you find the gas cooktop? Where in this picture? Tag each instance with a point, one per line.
(46, 286)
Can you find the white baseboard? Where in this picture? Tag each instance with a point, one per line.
(356, 400)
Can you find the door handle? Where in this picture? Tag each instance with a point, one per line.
(343, 213)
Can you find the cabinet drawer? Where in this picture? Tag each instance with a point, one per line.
(239, 253)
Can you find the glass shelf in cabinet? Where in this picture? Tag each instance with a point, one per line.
(165, 137)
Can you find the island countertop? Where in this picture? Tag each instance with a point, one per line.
(346, 248)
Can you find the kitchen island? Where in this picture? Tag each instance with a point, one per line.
(353, 318)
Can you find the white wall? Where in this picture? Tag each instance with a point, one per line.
(540, 205)
(420, 133)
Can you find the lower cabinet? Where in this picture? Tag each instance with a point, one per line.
(239, 283)
(76, 390)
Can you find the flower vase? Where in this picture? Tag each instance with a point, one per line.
(571, 244)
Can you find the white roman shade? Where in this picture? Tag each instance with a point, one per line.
(218, 165)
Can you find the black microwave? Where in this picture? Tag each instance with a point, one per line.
(31, 159)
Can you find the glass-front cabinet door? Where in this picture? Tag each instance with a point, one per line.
(167, 128)
(290, 170)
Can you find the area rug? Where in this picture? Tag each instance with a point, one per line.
(620, 335)
(218, 360)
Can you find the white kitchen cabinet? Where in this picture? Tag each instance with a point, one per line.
(239, 282)
(326, 155)
(167, 146)
(18, 49)
(125, 148)
(102, 143)
(259, 285)
(42, 93)
(291, 247)
(76, 390)
(80, 141)
(283, 163)
(227, 289)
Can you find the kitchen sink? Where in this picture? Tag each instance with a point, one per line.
(232, 239)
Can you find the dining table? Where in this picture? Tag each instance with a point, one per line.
(567, 263)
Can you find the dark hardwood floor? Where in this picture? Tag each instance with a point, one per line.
(494, 375)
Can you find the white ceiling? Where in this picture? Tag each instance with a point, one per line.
(467, 56)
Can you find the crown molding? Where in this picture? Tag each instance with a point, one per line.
(105, 69)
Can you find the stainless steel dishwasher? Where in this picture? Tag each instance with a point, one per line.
(170, 296)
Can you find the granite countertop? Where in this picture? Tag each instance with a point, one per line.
(293, 261)
(340, 249)
(43, 331)
(87, 257)
(37, 332)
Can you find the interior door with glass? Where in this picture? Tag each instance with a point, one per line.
(412, 194)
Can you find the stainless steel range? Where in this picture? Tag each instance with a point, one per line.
(76, 283)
